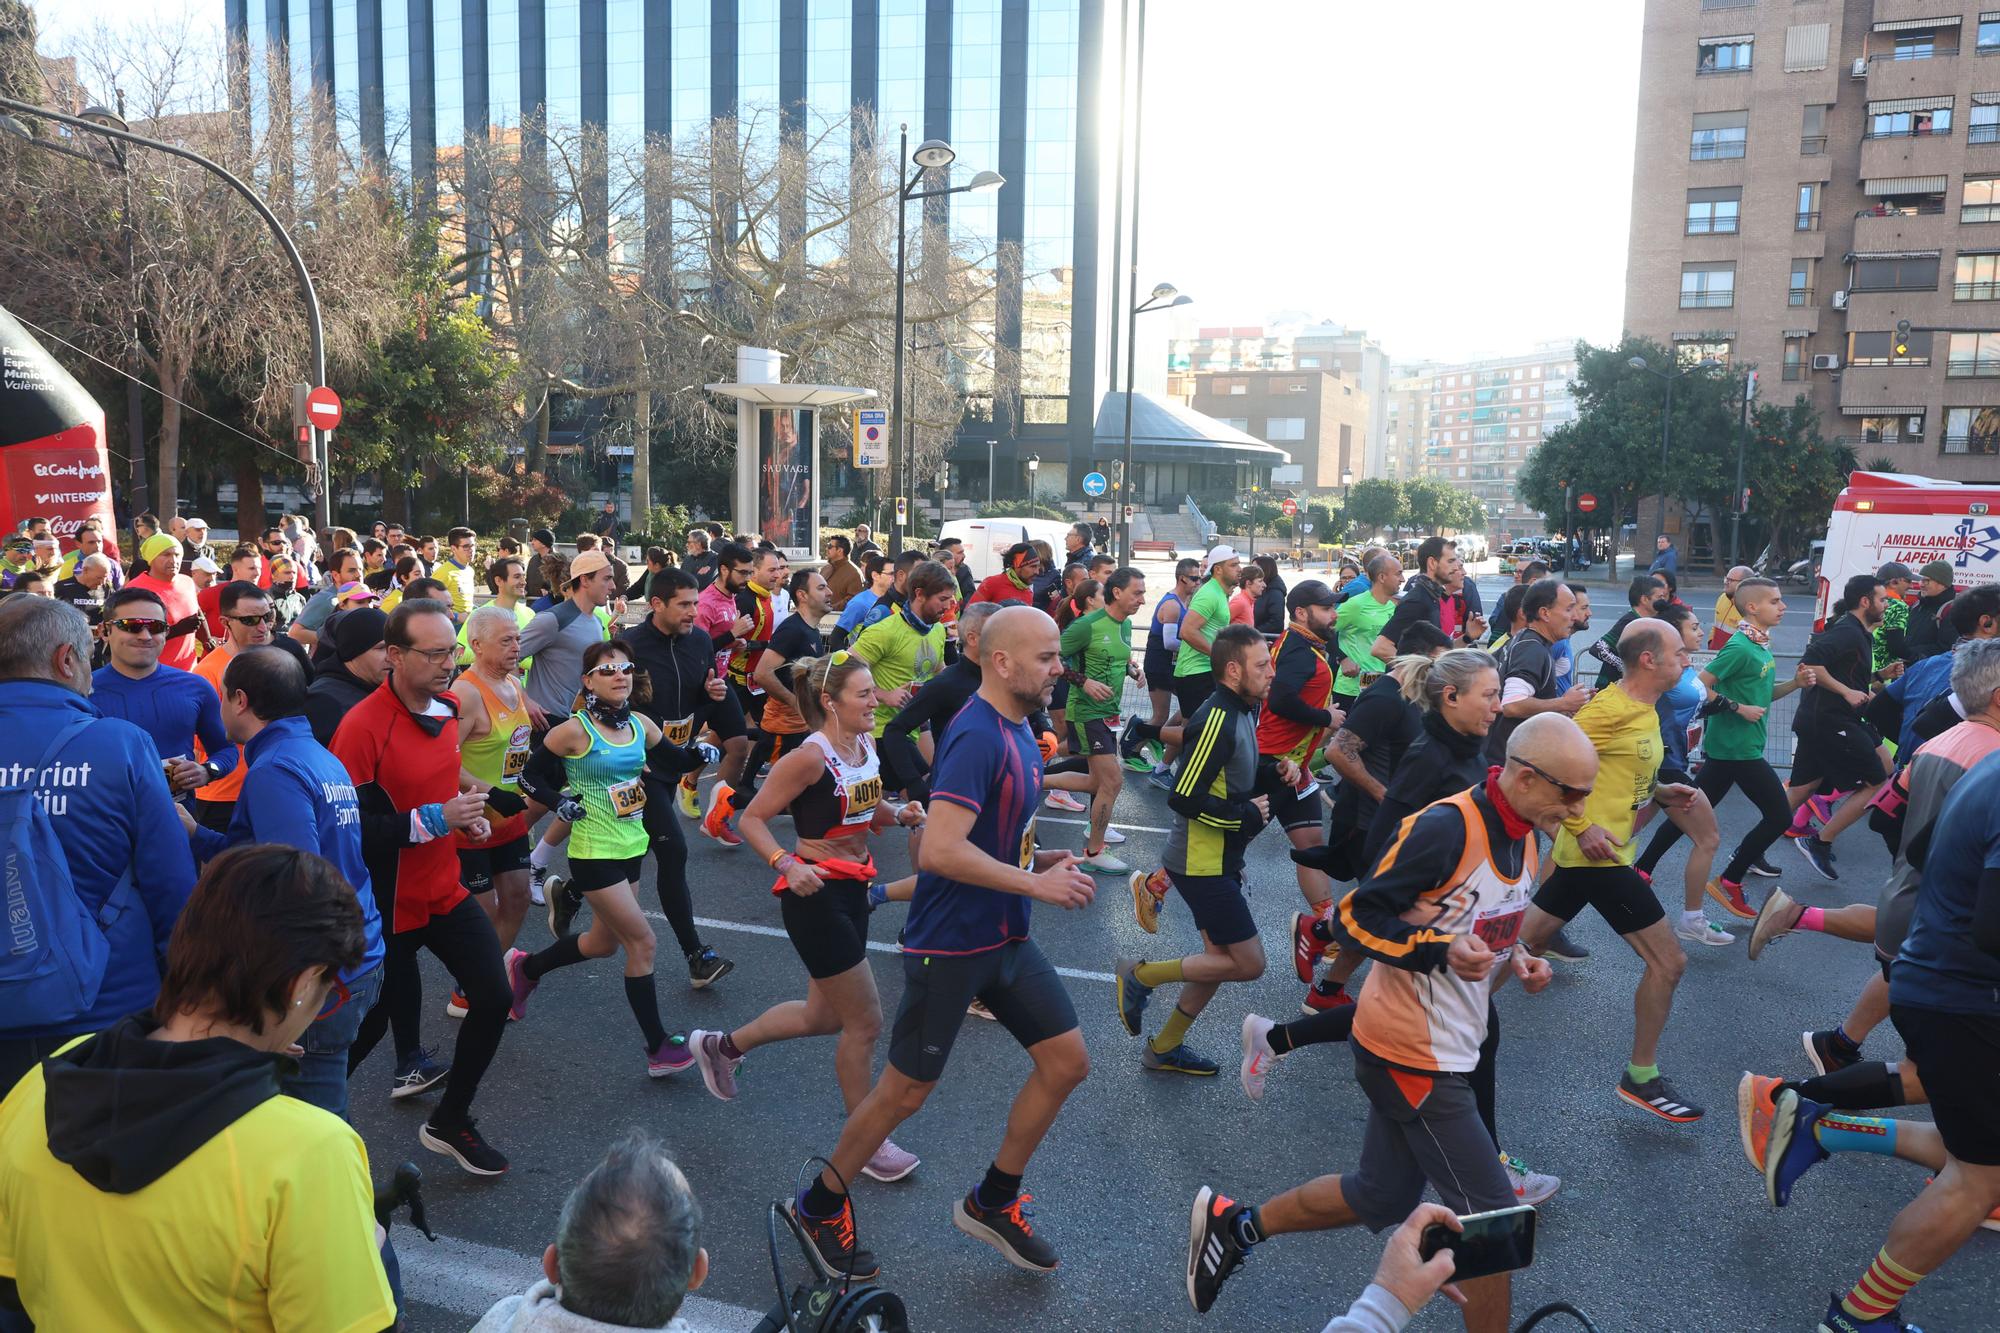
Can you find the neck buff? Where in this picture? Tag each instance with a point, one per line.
(911, 616)
(1755, 634)
(1516, 826)
(605, 713)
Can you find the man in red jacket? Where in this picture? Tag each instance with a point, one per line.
(1013, 583)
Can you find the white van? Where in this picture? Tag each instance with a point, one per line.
(987, 539)
(1885, 516)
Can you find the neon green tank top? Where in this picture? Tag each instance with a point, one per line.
(605, 778)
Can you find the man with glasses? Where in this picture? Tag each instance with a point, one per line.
(247, 622)
(455, 570)
(174, 707)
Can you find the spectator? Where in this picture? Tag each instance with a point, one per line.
(101, 782)
(543, 544)
(360, 662)
(194, 541)
(1926, 636)
(700, 561)
(843, 579)
(210, 1199)
(607, 524)
(1667, 557)
(864, 540)
(626, 1254)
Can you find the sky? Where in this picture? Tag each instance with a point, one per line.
(1454, 177)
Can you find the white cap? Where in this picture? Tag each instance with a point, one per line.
(1217, 555)
(203, 565)
(201, 523)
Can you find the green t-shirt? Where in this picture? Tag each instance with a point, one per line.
(1742, 672)
(897, 656)
(1357, 625)
(1211, 603)
(1100, 647)
(1895, 616)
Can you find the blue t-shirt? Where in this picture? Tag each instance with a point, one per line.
(1677, 708)
(173, 706)
(993, 768)
(1940, 966)
(1563, 657)
(862, 610)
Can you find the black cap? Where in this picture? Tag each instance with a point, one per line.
(544, 536)
(1309, 593)
(358, 631)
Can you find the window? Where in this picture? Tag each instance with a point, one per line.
(1983, 124)
(1812, 130)
(1977, 278)
(1694, 353)
(1801, 290)
(1972, 430)
(1808, 209)
(1708, 286)
(1972, 356)
(1284, 428)
(1909, 124)
(1989, 34)
(1917, 46)
(1713, 212)
(1238, 423)
(1795, 358)
(1308, 363)
(1718, 135)
(1723, 55)
(1918, 274)
(1892, 430)
(1982, 200)
(1879, 349)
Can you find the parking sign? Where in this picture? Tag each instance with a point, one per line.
(871, 437)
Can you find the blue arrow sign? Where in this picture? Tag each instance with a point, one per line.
(1095, 484)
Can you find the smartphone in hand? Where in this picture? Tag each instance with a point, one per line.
(1496, 1242)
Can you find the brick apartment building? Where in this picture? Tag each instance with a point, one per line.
(1318, 417)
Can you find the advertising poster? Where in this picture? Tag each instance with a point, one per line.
(53, 462)
(785, 480)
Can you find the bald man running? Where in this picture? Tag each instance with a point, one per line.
(1594, 851)
(1440, 915)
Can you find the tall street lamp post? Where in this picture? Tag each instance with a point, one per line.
(931, 153)
(1164, 297)
(1034, 491)
(1666, 428)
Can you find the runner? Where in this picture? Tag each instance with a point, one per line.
(1097, 649)
(495, 736)
(967, 936)
(507, 580)
(1435, 594)
(1206, 615)
(356, 665)
(768, 573)
(247, 619)
(1021, 566)
(1221, 808)
(1359, 625)
(1838, 751)
(831, 785)
(1594, 851)
(1677, 709)
(906, 649)
(1644, 595)
(176, 594)
(1463, 868)
(1163, 641)
(603, 747)
(176, 708)
(796, 639)
(455, 569)
(717, 616)
(871, 603)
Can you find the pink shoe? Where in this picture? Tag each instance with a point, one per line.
(517, 981)
(890, 1163)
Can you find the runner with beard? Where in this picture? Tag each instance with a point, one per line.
(754, 602)
(1432, 595)
(1838, 751)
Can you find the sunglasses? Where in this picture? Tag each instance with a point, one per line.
(1569, 793)
(611, 669)
(268, 618)
(138, 625)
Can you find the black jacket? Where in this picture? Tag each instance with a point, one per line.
(1442, 763)
(700, 568)
(1925, 637)
(334, 690)
(1269, 613)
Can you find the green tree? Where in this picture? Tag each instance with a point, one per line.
(1793, 472)
(1376, 503)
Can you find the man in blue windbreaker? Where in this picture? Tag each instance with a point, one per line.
(107, 796)
(297, 794)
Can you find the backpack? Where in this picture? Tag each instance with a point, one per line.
(56, 950)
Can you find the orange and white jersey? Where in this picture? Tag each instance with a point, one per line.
(1451, 869)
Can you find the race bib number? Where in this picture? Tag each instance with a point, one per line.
(628, 798)
(678, 730)
(1028, 846)
(516, 762)
(1500, 928)
(862, 798)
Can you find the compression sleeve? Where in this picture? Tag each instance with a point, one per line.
(544, 777)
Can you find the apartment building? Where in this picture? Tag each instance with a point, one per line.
(1483, 420)
(1812, 176)
(1406, 425)
(1351, 353)
(1319, 417)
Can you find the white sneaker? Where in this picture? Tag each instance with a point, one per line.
(536, 874)
(1703, 931)
(978, 1009)
(1062, 800)
(1112, 837)
(890, 1163)
(1104, 863)
(1258, 1057)
(1530, 1187)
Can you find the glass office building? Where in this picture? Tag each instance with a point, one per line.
(1016, 86)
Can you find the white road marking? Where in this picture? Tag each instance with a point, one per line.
(467, 1278)
(1085, 823)
(773, 932)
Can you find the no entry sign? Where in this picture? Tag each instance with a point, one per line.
(323, 408)
(1290, 506)
(1586, 502)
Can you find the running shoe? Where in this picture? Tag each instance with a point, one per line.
(1702, 931)
(1137, 762)
(1006, 1230)
(1657, 1096)
(1530, 1186)
(455, 1006)
(1324, 996)
(1062, 800)
(1839, 1321)
(1730, 894)
(1561, 946)
(978, 1009)
(1763, 868)
(689, 797)
(1128, 738)
(1180, 1060)
(1819, 808)
(1307, 948)
(1104, 863)
(1819, 855)
(465, 1146)
(536, 874)
(519, 983)
(1756, 1104)
(1147, 900)
(834, 1247)
(565, 901)
(706, 967)
(670, 1057)
(890, 1163)
(1830, 1051)
(1213, 1252)
(1131, 996)
(721, 809)
(718, 1071)
(1161, 777)
(1258, 1057)
(1112, 837)
(417, 1074)
(1793, 1148)
(1776, 917)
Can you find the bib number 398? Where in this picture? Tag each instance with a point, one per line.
(628, 799)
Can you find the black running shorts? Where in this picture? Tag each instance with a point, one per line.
(828, 928)
(1958, 1056)
(1016, 982)
(589, 874)
(1838, 758)
(1218, 906)
(478, 865)
(1159, 668)
(1191, 692)
(1620, 895)
(1289, 809)
(1094, 738)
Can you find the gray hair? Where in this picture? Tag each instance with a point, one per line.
(100, 561)
(973, 618)
(31, 629)
(1975, 673)
(1429, 678)
(482, 622)
(628, 1237)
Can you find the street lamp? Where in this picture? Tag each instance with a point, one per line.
(1034, 466)
(931, 154)
(97, 120)
(1666, 426)
(1164, 297)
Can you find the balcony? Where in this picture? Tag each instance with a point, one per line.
(1988, 445)
(1909, 155)
(1812, 145)
(1914, 132)
(1904, 54)
(1710, 300)
(1805, 222)
(1972, 367)
(1982, 133)
(1975, 291)
(1799, 296)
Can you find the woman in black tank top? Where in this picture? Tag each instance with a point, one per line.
(832, 787)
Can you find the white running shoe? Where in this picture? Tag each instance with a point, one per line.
(1530, 1187)
(978, 1009)
(1703, 931)
(1062, 800)
(1258, 1057)
(536, 874)
(718, 1071)
(1112, 837)
(890, 1163)
(1104, 863)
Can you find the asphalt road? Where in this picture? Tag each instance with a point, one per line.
(1657, 1227)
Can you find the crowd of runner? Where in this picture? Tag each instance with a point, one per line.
(252, 789)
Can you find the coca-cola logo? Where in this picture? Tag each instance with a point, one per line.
(79, 469)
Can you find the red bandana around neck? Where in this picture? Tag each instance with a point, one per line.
(1516, 826)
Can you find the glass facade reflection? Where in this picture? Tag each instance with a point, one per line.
(1013, 85)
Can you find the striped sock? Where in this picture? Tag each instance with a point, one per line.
(1856, 1133)
(1881, 1289)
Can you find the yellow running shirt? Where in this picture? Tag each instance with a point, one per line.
(1626, 736)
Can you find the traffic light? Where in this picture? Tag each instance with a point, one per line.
(1902, 338)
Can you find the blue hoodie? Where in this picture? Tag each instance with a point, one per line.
(109, 802)
(297, 794)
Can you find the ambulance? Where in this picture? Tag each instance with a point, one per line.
(1885, 516)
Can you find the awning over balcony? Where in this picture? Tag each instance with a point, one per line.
(1902, 104)
(1906, 25)
(1905, 185)
(1894, 254)
(1986, 99)
(1854, 410)
(1724, 41)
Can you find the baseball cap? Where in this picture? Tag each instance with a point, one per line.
(1895, 569)
(201, 523)
(203, 565)
(1940, 571)
(158, 545)
(1217, 554)
(1310, 593)
(589, 562)
(356, 592)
